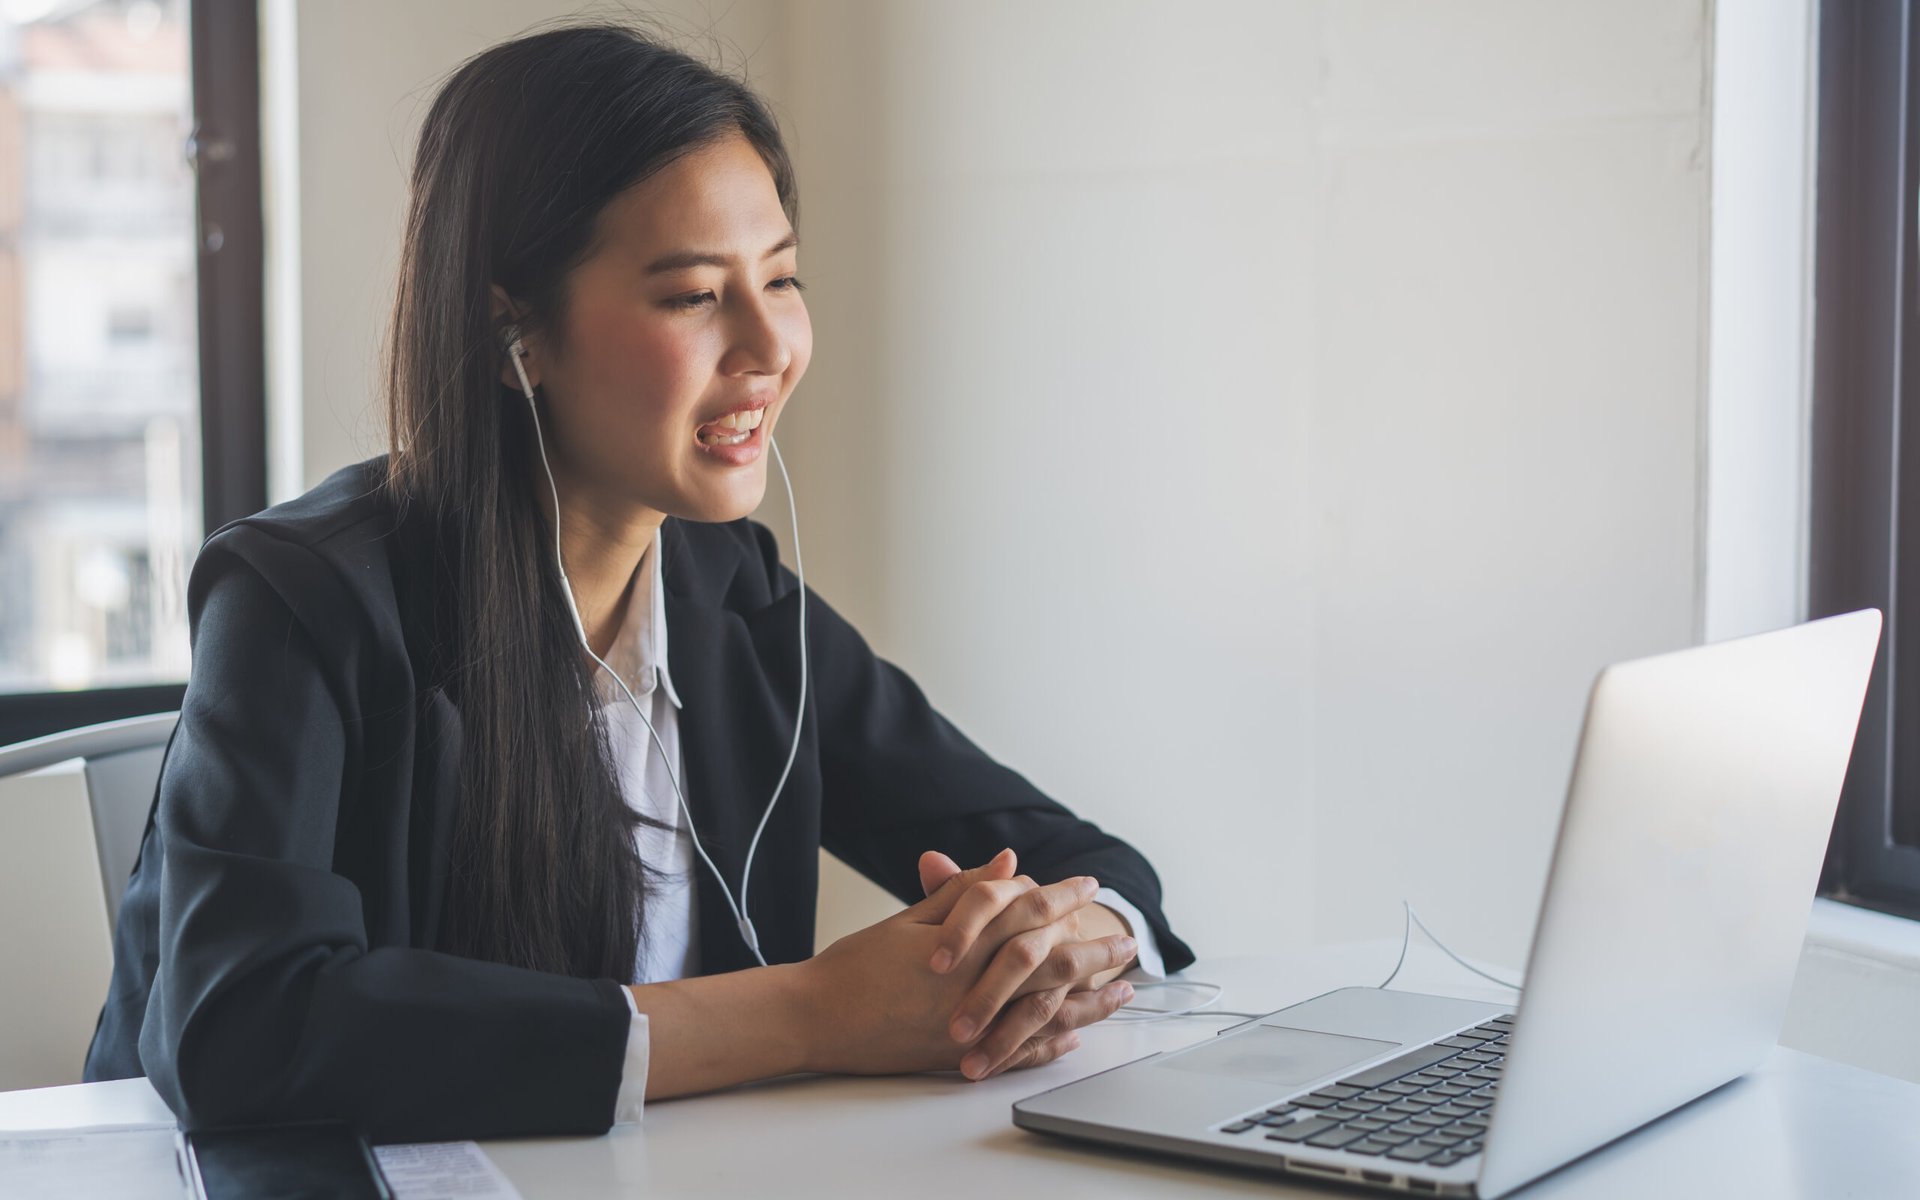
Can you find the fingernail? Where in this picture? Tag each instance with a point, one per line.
(1128, 945)
(1088, 885)
(962, 1029)
(1126, 992)
(942, 959)
(973, 1065)
(1073, 1041)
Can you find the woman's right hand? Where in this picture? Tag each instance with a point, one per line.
(878, 1009)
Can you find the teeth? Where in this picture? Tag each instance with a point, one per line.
(743, 423)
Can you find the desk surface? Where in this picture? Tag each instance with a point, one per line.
(1798, 1127)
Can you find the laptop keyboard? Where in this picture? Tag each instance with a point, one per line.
(1426, 1106)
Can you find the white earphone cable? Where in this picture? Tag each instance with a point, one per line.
(1205, 1009)
(800, 711)
(741, 920)
(1127, 1014)
(1406, 936)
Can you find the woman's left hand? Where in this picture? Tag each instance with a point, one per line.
(1046, 949)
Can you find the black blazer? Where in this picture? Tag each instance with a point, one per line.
(274, 959)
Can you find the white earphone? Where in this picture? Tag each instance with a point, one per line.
(516, 351)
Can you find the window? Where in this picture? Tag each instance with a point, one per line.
(131, 380)
(1865, 509)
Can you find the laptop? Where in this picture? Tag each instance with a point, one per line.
(1702, 796)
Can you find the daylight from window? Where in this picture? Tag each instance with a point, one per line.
(99, 380)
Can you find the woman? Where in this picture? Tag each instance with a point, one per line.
(423, 847)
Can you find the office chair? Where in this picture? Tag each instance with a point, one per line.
(73, 808)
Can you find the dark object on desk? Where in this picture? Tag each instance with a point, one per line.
(321, 1160)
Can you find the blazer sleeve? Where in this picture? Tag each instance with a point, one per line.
(899, 779)
(268, 1004)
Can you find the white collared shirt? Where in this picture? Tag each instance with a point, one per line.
(670, 937)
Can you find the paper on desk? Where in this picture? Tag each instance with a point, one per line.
(125, 1162)
(443, 1171)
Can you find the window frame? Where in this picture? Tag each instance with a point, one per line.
(224, 148)
(1864, 525)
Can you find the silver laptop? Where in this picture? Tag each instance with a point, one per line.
(1702, 797)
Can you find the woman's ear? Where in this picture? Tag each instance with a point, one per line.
(505, 322)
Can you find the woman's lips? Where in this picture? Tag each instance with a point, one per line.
(736, 454)
(732, 428)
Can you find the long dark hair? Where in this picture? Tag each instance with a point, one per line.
(523, 146)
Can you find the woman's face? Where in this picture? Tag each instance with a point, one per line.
(658, 347)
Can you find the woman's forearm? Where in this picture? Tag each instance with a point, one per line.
(858, 1006)
(714, 1031)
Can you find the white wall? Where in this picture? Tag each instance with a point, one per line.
(1256, 422)
(1270, 416)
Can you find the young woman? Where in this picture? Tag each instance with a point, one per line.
(439, 842)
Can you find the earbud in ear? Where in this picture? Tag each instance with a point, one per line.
(510, 337)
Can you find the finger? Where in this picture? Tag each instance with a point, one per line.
(1010, 974)
(1075, 963)
(1038, 1052)
(1070, 964)
(972, 912)
(932, 874)
(934, 908)
(935, 869)
(1045, 905)
(983, 908)
(1086, 1008)
(1019, 1025)
(1032, 911)
(1011, 1031)
(1041, 1053)
(1076, 1010)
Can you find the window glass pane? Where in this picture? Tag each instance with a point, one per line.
(99, 373)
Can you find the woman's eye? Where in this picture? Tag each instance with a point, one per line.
(787, 283)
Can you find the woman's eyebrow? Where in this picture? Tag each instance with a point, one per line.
(697, 258)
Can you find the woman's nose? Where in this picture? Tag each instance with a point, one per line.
(760, 342)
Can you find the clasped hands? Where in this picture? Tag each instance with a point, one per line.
(1045, 958)
(990, 972)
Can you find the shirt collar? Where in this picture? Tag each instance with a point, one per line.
(639, 651)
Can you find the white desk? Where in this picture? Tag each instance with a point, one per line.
(1798, 1127)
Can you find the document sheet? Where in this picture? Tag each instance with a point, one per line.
(141, 1162)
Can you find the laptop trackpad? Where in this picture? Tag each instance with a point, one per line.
(1277, 1055)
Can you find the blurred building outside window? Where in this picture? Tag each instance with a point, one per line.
(100, 507)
